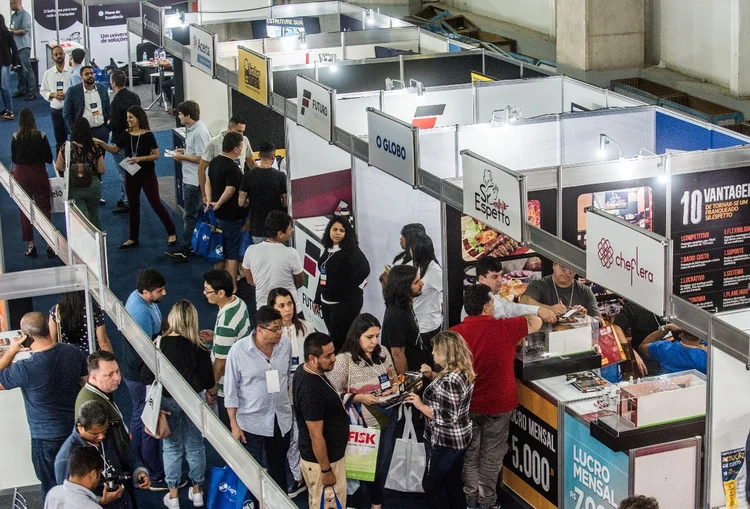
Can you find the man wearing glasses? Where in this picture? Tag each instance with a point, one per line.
(560, 292)
(256, 393)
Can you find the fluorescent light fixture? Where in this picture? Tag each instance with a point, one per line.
(302, 41)
(390, 82)
(604, 142)
(418, 86)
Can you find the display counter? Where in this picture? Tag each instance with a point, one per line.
(308, 233)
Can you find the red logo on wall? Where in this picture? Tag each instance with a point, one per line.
(425, 117)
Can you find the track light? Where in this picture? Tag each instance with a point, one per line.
(418, 85)
(604, 142)
(390, 82)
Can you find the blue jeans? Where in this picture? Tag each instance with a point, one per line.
(185, 441)
(5, 88)
(26, 81)
(442, 477)
(120, 157)
(143, 445)
(43, 452)
(270, 452)
(193, 201)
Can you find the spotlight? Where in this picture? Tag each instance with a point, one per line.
(604, 142)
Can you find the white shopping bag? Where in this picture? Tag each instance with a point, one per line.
(150, 414)
(59, 185)
(409, 461)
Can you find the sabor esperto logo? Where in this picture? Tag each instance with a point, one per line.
(391, 147)
(487, 203)
(605, 253)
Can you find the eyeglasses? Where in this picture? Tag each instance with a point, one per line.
(272, 329)
(565, 269)
(208, 292)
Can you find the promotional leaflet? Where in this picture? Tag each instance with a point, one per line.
(733, 476)
(315, 107)
(253, 75)
(394, 146)
(203, 50)
(309, 249)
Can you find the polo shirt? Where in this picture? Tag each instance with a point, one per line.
(493, 343)
(232, 324)
(673, 356)
(148, 318)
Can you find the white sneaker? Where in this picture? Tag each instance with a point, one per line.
(171, 503)
(196, 498)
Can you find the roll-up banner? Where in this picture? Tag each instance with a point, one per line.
(153, 23)
(45, 27)
(254, 75)
(108, 31)
(394, 146)
(628, 260)
(309, 249)
(495, 195)
(316, 107)
(203, 49)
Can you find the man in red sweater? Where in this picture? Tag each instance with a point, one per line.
(493, 345)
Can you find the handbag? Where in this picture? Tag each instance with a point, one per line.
(335, 500)
(409, 461)
(226, 490)
(154, 418)
(58, 185)
(208, 238)
(362, 448)
(80, 174)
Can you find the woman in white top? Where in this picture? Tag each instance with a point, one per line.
(428, 306)
(296, 330)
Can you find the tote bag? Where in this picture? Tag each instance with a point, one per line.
(154, 420)
(226, 490)
(58, 185)
(208, 239)
(362, 448)
(409, 461)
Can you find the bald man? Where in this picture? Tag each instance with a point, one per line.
(49, 381)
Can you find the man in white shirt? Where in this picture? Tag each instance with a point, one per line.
(213, 149)
(196, 140)
(89, 100)
(54, 87)
(270, 264)
(77, 492)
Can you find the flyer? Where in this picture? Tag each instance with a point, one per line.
(733, 475)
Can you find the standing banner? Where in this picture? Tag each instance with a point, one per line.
(153, 23)
(309, 249)
(628, 260)
(45, 28)
(108, 31)
(254, 75)
(495, 195)
(315, 107)
(203, 49)
(394, 146)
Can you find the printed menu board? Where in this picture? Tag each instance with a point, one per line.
(711, 237)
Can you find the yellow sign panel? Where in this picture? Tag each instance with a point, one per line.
(252, 74)
(475, 76)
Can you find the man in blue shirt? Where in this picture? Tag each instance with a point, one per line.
(76, 62)
(143, 307)
(49, 380)
(20, 27)
(673, 355)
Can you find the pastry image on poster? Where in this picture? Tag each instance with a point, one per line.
(634, 205)
(479, 240)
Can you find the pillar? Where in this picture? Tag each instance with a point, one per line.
(739, 60)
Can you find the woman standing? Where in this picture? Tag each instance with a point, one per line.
(30, 151)
(364, 372)
(448, 430)
(86, 161)
(68, 323)
(7, 55)
(343, 275)
(404, 257)
(140, 146)
(191, 358)
(296, 330)
(428, 305)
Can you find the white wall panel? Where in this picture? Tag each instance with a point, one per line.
(587, 96)
(437, 151)
(458, 105)
(431, 43)
(211, 94)
(311, 155)
(351, 113)
(534, 97)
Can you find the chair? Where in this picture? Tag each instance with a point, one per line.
(18, 501)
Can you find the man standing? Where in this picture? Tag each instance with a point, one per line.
(54, 87)
(400, 333)
(213, 149)
(196, 139)
(322, 422)
(49, 381)
(143, 306)
(263, 190)
(77, 491)
(492, 343)
(256, 393)
(20, 27)
(560, 292)
(269, 263)
(232, 323)
(89, 100)
(118, 123)
(76, 61)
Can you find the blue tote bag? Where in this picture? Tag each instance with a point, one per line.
(227, 491)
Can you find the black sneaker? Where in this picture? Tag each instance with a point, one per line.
(102, 202)
(16, 95)
(296, 488)
(121, 208)
(158, 485)
(180, 254)
(30, 97)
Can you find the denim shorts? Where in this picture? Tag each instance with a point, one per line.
(232, 234)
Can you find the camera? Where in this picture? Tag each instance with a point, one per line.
(113, 479)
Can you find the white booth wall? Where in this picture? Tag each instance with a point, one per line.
(351, 111)
(213, 96)
(459, 105)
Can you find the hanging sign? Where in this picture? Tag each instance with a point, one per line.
(394, 146)
(152, 19)
(315, 107)
(254, 75)
(495, 195)
(203, 49)
(628, 260)
(309, 249)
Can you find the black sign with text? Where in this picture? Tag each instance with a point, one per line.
(153, 23)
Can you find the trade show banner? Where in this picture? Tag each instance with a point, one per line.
(711, 235)
(309, 249)
(254, 75)
(203, 49)
(531, 463)
(108, 31)
(45, 28)
(315, 107)
(595, 476)
(153, 23)
(394, 146)
(627, 259)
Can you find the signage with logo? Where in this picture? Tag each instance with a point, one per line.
(254, 75)
(495, 195)
(309, 249)
(627, 259)
(153, 23)
(394, 146)
(203, 49)
(108, 30)
(315, 107)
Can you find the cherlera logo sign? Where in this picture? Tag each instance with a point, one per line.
(486, 200)
(203, 52)
(309, 102)
(607, 257)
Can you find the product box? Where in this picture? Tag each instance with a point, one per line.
(664, 399)
(559, 339)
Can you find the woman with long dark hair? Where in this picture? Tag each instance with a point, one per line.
(428, 306)
(87, 161)
(7, 55)
(408, 232)
(30, 152)
(343, 271)
(363, 373)
(68, 323)
(140, 147)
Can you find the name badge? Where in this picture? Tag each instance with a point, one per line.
(323, 276)
(295, 362)
(385, 382)
(59, 86)
(272, 381)
(238, 162)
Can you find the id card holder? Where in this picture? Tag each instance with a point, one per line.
(385, 382)
(323, 276)
(272, 381)
(59, 86)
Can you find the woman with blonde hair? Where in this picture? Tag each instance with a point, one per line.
(447, 434)
(191, 357)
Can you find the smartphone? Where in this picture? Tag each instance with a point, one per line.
(569, 313)
(27, 340)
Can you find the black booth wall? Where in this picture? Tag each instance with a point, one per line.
(263, 123)
(502, 70)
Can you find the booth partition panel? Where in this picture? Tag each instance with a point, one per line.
(500, 69)
(285, 82)
(435, 72)
(438, 152)
(351, 112)
(357, 77)
(531, 97)
(263, 123)
(212, 96)
(675, 132)
(436, 108)
(578, 96)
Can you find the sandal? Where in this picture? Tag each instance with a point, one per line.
(7, 115)
(31, 252)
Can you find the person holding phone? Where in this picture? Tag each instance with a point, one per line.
(560, 292)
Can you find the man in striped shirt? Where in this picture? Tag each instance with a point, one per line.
(232, 324)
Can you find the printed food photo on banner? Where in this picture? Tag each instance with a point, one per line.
(634, 205)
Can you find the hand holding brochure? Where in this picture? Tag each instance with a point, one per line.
(129, 167)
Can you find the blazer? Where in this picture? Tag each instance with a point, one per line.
(74, 103)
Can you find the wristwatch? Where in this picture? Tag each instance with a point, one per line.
(325, 470)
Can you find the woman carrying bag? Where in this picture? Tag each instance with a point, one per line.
(364, 372)
(445, 404)
(82, 162)
(68, 323)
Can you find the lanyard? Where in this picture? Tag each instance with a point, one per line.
(134, 153)
(330, 255)
(572, 291)
(327, 382)
(114, 407)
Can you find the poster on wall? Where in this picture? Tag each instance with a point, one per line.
(309, 249)
(108, 31)
(153, 23)
(253, 75)
(45, 29)
(634, 205)
(711, 236)
(733, 477)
